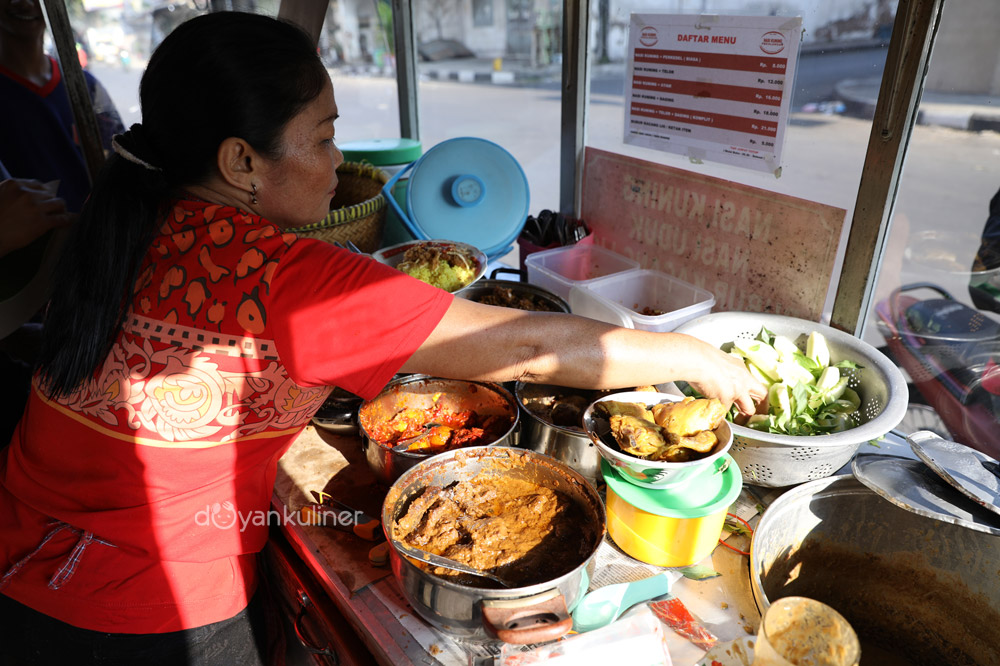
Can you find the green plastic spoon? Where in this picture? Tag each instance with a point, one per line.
(603, 606)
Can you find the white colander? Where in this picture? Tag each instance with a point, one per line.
(774, 460)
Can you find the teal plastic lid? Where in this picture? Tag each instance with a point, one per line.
(470, 190)
(709, 492)
(382, 152)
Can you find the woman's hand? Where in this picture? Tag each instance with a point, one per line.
(28, 209)
(725, 377)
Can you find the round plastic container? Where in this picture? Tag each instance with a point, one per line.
(675, 527)
(392, 156)
(464, 189)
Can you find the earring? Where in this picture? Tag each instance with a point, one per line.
(253, 193)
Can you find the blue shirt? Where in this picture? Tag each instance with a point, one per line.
(38, 137)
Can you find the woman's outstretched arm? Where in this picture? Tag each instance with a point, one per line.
(488, 343)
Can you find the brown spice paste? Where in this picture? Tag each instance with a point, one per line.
(516, 529)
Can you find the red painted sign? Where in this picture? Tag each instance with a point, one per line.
(755, 250)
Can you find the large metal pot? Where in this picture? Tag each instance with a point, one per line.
(519, 615)
(423, 392)
(916, 590)
(567, 444)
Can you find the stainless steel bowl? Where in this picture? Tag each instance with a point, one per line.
(650, 473)
(338, 413)
(485, 288)
(422, 392)
(393, 255)
(774, 460)
(569, 445)
(536, 613)
(917, 590)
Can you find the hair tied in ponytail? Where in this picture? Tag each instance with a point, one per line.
(131, 145)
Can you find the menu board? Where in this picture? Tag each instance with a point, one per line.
(714, 88)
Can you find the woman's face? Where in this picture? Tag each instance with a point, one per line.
(296, 189)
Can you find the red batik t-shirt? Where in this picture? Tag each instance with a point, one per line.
(135, 505)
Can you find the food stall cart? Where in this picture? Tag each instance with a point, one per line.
(330, 571)
(342, 604)
(369, 599)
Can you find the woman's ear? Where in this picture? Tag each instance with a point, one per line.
(238, 163)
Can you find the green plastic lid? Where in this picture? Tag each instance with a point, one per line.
(709, 492)
(382, 152)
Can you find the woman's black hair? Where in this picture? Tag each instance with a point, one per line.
(219, 75)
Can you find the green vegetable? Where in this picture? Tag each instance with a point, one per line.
(699, 572)
(807, 395)
(737, 529)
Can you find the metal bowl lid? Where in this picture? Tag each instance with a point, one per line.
(971, 472)
(912, 485)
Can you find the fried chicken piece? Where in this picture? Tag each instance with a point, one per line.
(637, 436)
(688, 417)
(609, 408)
(673, 453)
(701, 442)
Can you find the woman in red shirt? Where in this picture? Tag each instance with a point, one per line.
(192, 338)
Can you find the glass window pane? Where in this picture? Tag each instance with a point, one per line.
(507, 91)
(938, 306)
(826, 139)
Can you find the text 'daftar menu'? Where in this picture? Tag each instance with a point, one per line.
(711, 87)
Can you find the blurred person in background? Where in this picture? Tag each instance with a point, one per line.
(28, 210)
(984, 284)
(39, 141)
(39, 138)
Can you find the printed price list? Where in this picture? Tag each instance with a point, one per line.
(717, 91)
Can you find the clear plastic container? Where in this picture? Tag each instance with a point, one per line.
(561, 268)
(625, 296)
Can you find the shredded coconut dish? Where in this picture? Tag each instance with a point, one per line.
(445, 266)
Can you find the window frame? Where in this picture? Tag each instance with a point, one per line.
(910, 46)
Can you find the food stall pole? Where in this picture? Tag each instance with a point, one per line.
(406, 68)
(307, 15)
(575, 99)
(76, 86)
(895, 115)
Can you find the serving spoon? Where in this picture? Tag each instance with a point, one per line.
(603, 606)
(446, 563)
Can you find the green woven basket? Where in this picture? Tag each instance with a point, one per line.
(357, 212)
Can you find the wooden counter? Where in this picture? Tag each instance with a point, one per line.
(369, 599)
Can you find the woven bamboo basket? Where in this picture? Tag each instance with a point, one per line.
(357, 212)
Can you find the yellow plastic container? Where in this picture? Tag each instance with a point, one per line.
(671, 527)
